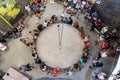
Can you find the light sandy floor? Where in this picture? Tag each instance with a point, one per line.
(60, 47)
(20, 54)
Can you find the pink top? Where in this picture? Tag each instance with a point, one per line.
(86, 39)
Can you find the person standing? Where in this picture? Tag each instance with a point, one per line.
(28, 9)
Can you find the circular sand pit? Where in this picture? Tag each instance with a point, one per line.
(59, 46)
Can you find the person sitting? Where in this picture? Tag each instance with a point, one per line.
(38, 61)
(25, 41)
(22, 23)
(96, 63)
(98, 24)
(35, 1)
(85, 57)
(99, 39)
(86, 38)
(35, 57)
(69, 72)
(103, 30)
(56, 71)
(75, 24)
(40, 27)
(23, 68)
(50, 22)
(43, 67)
(29, 66)
(62, 17)
(54, 18)
(38, 13)
(35, 32)
(104, 46)
(45, 24)
(102, 55)
(87, 45)
(101, 76)
(26, 67)
(76, 67)
(32, 45)
(71, 10)
(95, 15)
(81, 61)
(66, 20)
(70, 21)
(81, 29)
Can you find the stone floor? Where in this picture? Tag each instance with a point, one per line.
(20, 54)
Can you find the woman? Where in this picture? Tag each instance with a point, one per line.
(86, 38)
(104, 46)
(56, 71)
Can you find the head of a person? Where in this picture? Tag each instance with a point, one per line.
(45, 20)
(70, 18)
(88, 36)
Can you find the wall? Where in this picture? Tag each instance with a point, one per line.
(109, 11)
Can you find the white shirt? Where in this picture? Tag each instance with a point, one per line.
(83, 2)
(70, 73)
(62, 15)
(75, 1)
(101, 76)
(104, 30)
(45, 24)
(77, 6)
(27, 8)
(104, 54)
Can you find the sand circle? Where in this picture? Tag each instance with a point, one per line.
(59, 46)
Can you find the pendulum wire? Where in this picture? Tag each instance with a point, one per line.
(60, 34)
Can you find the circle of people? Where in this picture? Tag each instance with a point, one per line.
(72, 7)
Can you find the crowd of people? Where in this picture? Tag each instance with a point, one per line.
(13, 33)
(36, 8)
(74, 8)
(106, 35)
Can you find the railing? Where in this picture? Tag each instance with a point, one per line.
(116, 70)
